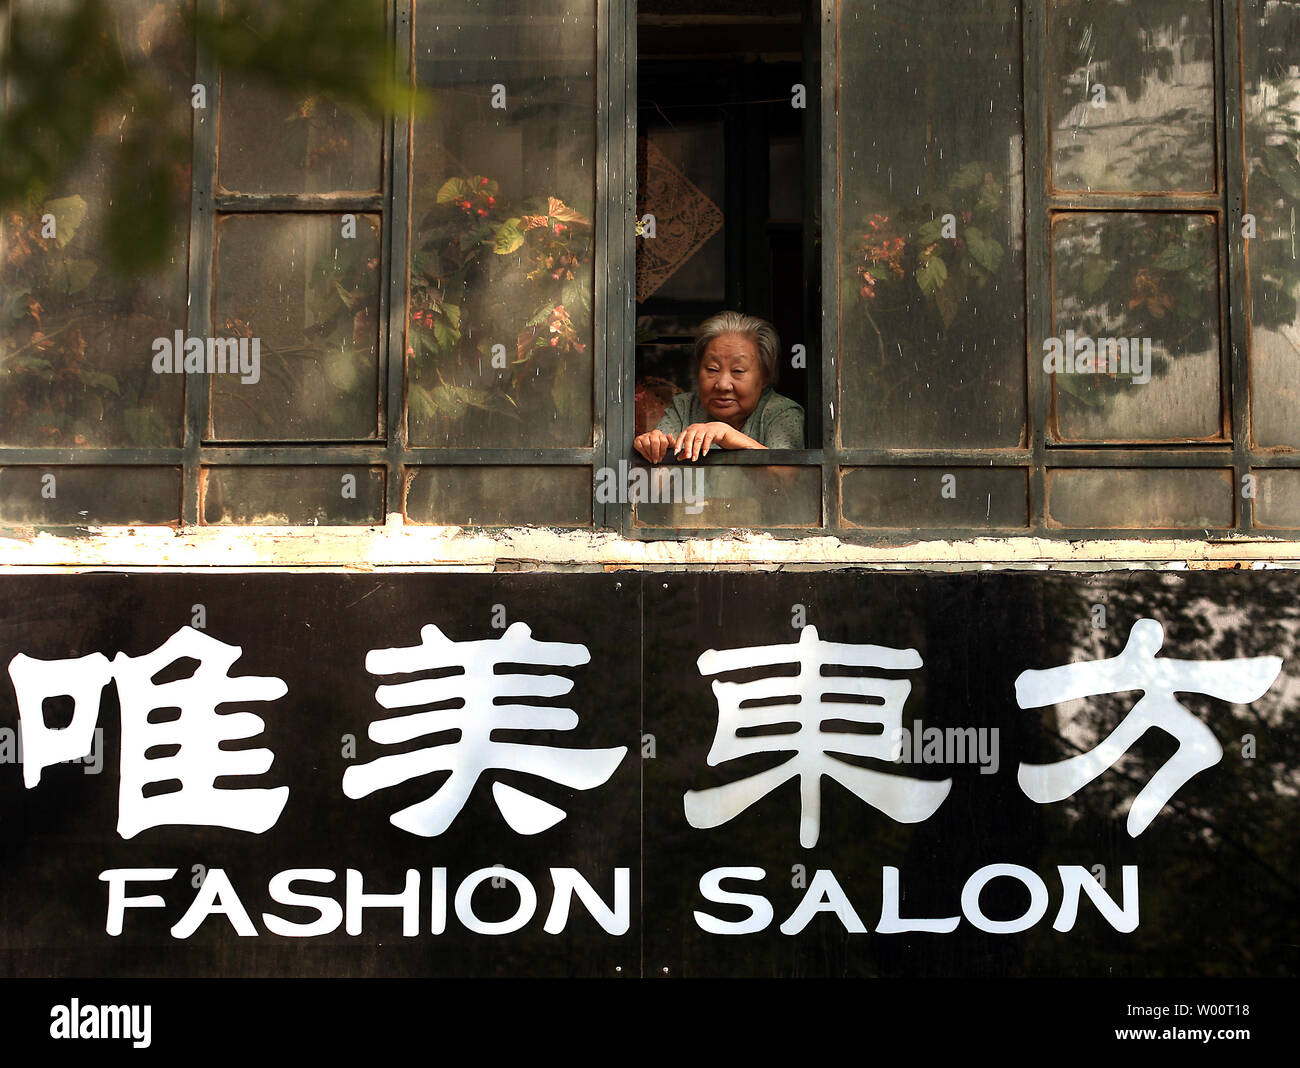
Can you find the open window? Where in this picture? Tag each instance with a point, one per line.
(727, 180)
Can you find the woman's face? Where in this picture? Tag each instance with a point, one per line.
(731, 379)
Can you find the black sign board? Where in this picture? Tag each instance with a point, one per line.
(996, 774)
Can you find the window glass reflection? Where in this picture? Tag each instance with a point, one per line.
(1132, 95)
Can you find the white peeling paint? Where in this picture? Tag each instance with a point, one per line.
(452, 548)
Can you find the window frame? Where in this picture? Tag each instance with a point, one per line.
(1040, 456)
(614, 308)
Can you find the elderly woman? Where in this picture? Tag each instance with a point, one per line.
(733, 405)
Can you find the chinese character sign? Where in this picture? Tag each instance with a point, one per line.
(648, 774)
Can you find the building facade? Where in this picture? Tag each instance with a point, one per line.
(1033, 269)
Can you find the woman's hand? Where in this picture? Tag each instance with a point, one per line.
(696, 439)
(653, 445)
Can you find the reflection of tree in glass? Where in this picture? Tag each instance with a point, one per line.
(1135, 276)
(51, 392)
(500, 304)
(1132, 95)
(1273, 160)
(75, 68)
(96, 135)
(75, 333)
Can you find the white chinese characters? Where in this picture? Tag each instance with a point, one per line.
(475, 687)
(1138, 668)
(808, 707)
(843, 703)
(809, 703)
(195, 736)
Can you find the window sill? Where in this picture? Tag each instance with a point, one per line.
(409, 547)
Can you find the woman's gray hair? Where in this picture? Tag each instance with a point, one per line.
(761, 332)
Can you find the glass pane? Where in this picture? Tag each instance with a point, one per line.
(686, 496)
(1139, 498)
(1132, 95)
(75, 336)
(1271, 52)
(499, 335)
(90, 496)
(272, 142)
(276, 496)
(960, 498)
(932, 280)
(1135, 351)
(1277, 498)
(301, 297)
(498, 496)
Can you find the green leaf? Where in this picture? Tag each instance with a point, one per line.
(101, 380)
(13, 305)
(446, 401)
(931, 275)
(930, 232)
(452, 312)
(509, 237)
(453, 189)
(71, 275)
(422, 405)
(69, 213)
(454, 402)
(29, 363)
(968, 176)
(446, 336)
(541, 315)
(983, 250)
